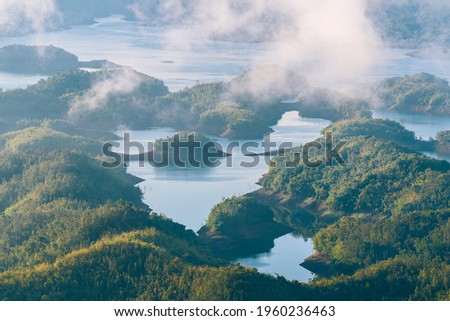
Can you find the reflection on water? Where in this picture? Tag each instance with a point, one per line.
(188, 195)
(284, 259)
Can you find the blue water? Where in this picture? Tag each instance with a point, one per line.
(188, 195)
(424, 126)
(146, 48)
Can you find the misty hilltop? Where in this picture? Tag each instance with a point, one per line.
(46, 60)
(411, 24)
(243, 107)
(419, 93)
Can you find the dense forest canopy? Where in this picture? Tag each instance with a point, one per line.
(381, 177)
(71, 229)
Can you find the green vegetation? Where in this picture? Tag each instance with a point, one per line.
(245, 107)
(206, 108)
(380, 224)
(131, 267)
(420, 93)
(92, 100)
(443, 137)
(45, 60)
(36, 177)
(72, 230)
(382, 129)
(184, 149)
(401, 278)
(443, 142)
(42, 138)
(362, 241)
(36, 59)
(228, 120)
(403, 256)
(66, 127)
(381, 177)
(184, 136)
(235, 211)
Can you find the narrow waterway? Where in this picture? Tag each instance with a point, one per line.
(188, 195)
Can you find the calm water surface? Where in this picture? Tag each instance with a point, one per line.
(188, 195)
(147, 50)
(425, 126)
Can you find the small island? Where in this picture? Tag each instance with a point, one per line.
(443, 142)
(183, 150)
(419, 93)
(240, 226)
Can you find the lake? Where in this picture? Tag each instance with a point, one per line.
(424, 126)
(187, 195)
(146, 50)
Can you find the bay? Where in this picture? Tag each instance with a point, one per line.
(188, 195)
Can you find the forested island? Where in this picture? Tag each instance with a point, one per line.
(420, 93)
(124, 97)
(375, 223)
(44, 60)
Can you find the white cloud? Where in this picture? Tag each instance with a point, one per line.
(324, 40)
(109, 83)
(18, 17)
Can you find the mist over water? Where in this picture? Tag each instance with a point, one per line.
(424, 126)
(145, 49)
(196, 191)
(188, 195)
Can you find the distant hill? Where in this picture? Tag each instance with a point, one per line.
(47, 60)
(419, 93)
